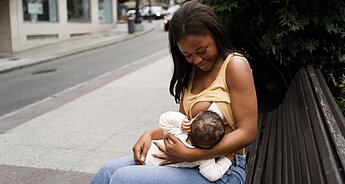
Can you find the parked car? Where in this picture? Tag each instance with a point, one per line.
(157, 12)
(170, 12)
(166, 21)
(130, 13)
(172, 9)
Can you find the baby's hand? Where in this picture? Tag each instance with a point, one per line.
(185, 126)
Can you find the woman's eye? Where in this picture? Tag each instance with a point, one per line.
(201, 52)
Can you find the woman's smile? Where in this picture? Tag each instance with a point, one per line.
(203, 64)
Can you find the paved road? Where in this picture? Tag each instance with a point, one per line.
(65, 138)
(25, 86)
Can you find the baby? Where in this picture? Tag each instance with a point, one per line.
(204, 131)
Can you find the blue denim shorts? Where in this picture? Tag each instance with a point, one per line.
(236, 174)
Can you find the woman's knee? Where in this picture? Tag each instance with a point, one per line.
(126, 175)
(108, 169)
(104, 174)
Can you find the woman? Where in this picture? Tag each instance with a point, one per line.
(204, 72)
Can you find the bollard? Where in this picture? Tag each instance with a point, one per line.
(131, 27)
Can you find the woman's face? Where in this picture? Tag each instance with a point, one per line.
(199, 50)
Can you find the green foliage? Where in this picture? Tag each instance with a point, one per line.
(339, 85)
(280, 36)
(341, 98)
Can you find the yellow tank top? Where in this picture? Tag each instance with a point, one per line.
(218, 92)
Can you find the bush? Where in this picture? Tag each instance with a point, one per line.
(281, 36)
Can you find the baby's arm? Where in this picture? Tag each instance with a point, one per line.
(213, 170)
(171, 122)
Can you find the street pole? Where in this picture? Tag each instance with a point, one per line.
(150, 11)
(137, 19)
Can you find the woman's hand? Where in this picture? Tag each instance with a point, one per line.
(141, 148)
(174, 151)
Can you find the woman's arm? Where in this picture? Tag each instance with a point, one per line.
(244, 108)
(143, 144)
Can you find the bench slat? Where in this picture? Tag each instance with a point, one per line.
(332, 115)
(297, 177)
(252, 151)
(301, 141)
(279, 146)
(271, 153)
(325, 147)
(286, 141)
(262, 151)
(338, 115)
(301, 118)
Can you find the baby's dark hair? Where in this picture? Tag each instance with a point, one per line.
(207, 130)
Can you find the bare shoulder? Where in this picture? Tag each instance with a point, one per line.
(238, 62)
(238, 71)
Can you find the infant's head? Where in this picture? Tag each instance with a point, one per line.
(207, 130)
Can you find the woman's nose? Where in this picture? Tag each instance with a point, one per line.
(197, 60)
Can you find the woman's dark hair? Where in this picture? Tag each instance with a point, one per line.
(192, 18)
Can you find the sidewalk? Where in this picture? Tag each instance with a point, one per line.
(70, 142)
(71, 46)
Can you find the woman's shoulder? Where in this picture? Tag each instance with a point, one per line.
(234, 55)
(236, 61)
(238, 69)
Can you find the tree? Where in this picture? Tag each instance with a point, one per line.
(280, 36)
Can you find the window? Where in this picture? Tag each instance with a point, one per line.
(40, 10)
(78, 10)
(105, 11)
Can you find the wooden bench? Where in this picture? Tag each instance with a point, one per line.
(302, 141)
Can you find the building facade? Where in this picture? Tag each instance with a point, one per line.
(26, 24)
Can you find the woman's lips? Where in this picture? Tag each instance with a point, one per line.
(203, 63)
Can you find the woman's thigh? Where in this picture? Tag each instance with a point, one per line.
(124, 170)
(157, 174)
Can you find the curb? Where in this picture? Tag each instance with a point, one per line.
(28, 62)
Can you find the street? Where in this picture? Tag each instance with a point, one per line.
(20, 88)
(97, 105)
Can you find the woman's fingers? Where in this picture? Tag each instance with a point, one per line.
(173, 148)
(144, 152)
(140, 149)
(164, 156)
(167, 162)
(160, 147)
(170, 140)
(137, 155)
(161, 156)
